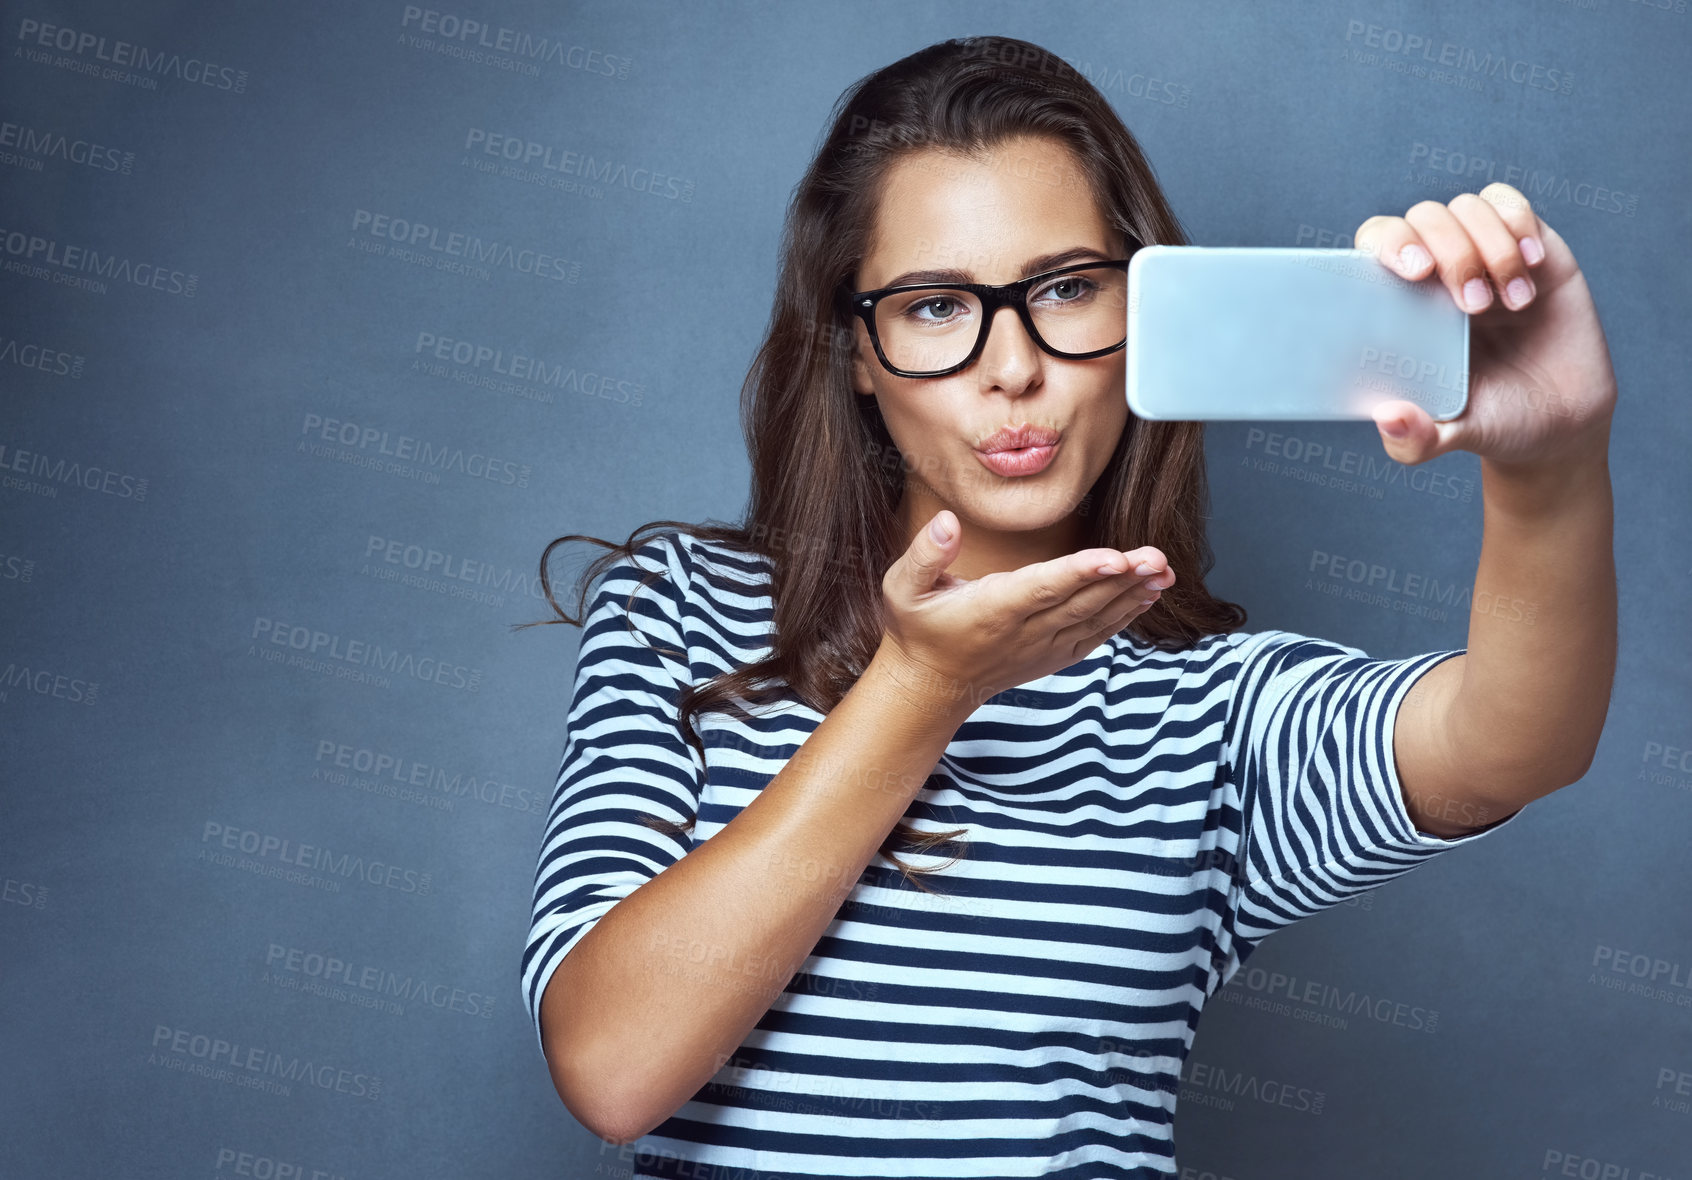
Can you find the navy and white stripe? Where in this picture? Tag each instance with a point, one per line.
(1137, 824)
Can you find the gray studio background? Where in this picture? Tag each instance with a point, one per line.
(274, 423)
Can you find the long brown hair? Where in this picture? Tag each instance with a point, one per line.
(826, 475)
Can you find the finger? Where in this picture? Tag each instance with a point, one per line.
(933, 549)
(1084, 636)
(1088, 599)
(1518, 213)
(1455, 255)
(1049, 585)
(1150, 561)
(1499, 252)
(1395, 244)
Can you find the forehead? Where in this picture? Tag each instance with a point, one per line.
(985, 213)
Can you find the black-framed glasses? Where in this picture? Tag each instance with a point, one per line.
(935, 329)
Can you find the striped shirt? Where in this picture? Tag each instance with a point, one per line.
(1136, 824)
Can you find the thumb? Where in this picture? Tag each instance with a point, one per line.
(933, 549)
(1409, 433)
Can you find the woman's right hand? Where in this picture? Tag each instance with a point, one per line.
(962, 640)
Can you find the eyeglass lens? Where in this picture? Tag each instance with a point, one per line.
(934, 328)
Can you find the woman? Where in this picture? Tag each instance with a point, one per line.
(952, 620)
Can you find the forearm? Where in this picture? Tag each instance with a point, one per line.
(1536, 681)
(651, 1002)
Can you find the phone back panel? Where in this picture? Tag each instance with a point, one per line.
(1244, 332)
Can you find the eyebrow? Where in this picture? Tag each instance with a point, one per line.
(1033, 266)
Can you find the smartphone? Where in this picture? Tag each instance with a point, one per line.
(1246, 332)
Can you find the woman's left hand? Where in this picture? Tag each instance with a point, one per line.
(1541, 386)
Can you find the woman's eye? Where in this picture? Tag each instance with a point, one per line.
(1068, 289)
(939, 307)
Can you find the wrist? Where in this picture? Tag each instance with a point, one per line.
(1578, 476)
(918, 690)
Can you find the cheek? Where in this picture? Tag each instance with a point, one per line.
(921, 421)
(933, 448)
(915, 436)
(1103, 430)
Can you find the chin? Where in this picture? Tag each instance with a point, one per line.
(1026, 506)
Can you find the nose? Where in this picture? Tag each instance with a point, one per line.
(1010, 359)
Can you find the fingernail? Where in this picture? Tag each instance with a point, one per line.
(1532, 250)
(1144, 568)
(1412, 258)
(939, 531)
(1520, 291)
(1397, 427)
(1475, 294)
(1107, 569)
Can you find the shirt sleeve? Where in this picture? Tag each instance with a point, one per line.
(1323, 816)
(624, 757)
